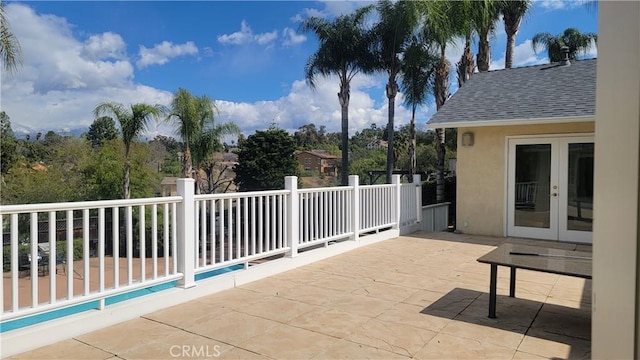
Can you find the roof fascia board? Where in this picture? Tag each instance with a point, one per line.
(530, 121)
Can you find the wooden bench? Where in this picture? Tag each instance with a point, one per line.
(536, 258)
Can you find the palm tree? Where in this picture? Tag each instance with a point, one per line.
(513, 11)
(343, 51)
(133, 121)
(10, 51)
(462, 10)
(485, 15)
(576, 42)
(392, 32)
(442, 28)
(203, 145)
(194, 118)
(417, 72)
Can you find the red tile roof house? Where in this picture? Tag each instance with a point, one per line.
(318, 161)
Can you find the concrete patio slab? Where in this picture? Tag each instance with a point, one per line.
(422, 296)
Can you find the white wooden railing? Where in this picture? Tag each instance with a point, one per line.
(124, 245)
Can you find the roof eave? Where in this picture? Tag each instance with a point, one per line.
(511, 122)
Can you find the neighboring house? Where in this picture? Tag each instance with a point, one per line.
(318, 161)
(525, 151)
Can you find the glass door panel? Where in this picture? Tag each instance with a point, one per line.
(532, 184)
(580, 187)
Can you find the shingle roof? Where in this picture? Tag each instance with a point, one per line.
(535, 92)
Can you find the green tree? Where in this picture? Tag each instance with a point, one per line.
(10, 50)
(392, 32)
(343, 51)
(133, 121)
(513, 11)
(8, 144)
(264, 159)
(576, 42)
(418, 69)
(103, 173)
(102, 129)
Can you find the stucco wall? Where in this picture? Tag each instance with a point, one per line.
(481, 173)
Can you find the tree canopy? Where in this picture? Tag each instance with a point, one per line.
(264, 159)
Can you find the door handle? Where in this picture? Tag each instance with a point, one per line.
(554, 194)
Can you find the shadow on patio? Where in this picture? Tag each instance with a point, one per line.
(420, 296)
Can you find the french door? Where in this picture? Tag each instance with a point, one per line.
(550, 188)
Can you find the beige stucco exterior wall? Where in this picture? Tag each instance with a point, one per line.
(481, 177)
(615, 330)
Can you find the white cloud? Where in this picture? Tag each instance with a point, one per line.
(161, 53)
(63, 78)
(246, 36)
(523, 55)
(56, 61)
(267, 37)
(559, 4)
(102, 46)
(320, 106)
(291, 37)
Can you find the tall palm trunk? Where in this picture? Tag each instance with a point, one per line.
(441, 91)
(392, 91)
(412, 145)
(511, 26)
(126, 188)
(343, 96)
(466, 66)
(484, 51)
(186, 161)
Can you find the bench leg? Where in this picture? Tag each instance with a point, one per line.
(493, 284)
(512, 285)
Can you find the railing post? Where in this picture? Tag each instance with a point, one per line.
(354, 182)
(186, 232)
(395, 180)
(417, 182)
(293, 223)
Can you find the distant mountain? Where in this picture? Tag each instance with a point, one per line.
(21, 130)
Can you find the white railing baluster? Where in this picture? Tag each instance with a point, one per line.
(203, 232)
(115, 233)
(142, 243)
(246, 226)
(196, 226)
(154, 241)
(174, 236)
(101, 260)
(14, 263)
(223, 236)
(253, 225)
(165, 239)
(53, 256)
(70, 255)
(129, 228)
(273, 223)
(230, 229)
(85, 252)
(260, 225)
(280, 220)
(214, 228)
(34, 258)
(238, 233)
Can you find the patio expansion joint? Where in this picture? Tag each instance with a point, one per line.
(98, 348)
(200, 335)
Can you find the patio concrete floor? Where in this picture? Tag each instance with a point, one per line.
(421, 296)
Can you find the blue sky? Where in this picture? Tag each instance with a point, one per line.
(248, 56)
